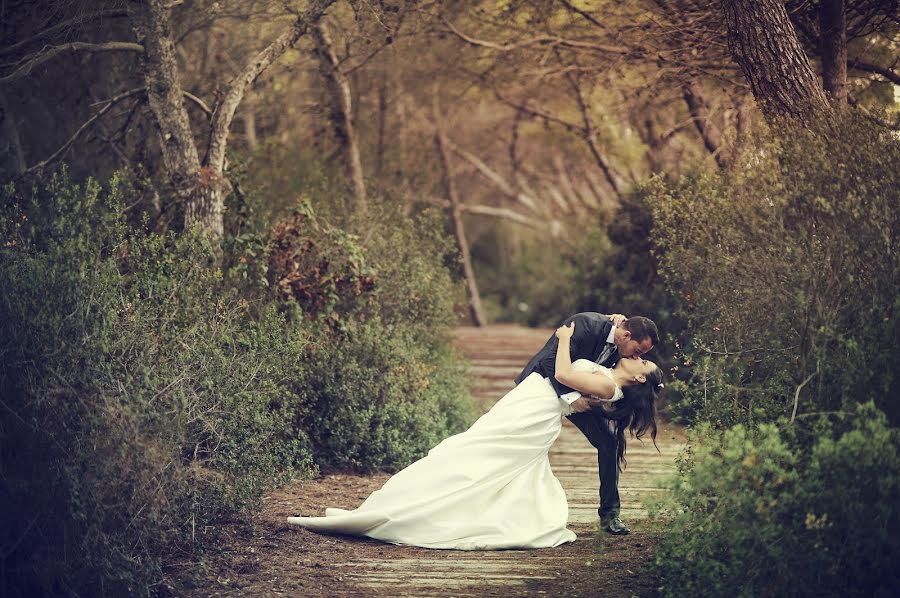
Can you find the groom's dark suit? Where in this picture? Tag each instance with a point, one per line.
(588, 342)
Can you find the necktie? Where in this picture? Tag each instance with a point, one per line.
(606, 353)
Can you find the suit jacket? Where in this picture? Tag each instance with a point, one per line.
(589, 340)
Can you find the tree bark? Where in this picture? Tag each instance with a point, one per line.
(476, 311)
(206, 209)
(11, 133)
(763, 42)
(342, 112)
(712, 139)
(152, 25)
(381, 145)
(202, 186)
(590, 136)
(833, 49)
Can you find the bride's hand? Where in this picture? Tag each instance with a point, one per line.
(565, 331)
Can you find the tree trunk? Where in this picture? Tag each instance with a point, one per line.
(476, 311)
(250, 129)
(382, 124)
(742, 125)
(165, 94)
(833, 49)
(13, 142)
(763, 42)
(341, 112)
(712, 140)
(202, 189)
(207, 206)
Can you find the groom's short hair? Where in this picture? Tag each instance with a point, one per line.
(641, 328)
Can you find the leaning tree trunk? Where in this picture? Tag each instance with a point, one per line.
(833, 49)
(763, 42)
(342, 112)
(699, 110)
(476, 311)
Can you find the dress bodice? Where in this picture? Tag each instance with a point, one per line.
(586, 365)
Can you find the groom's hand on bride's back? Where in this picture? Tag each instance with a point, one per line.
(585, 403)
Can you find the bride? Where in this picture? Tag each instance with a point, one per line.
(491, 486)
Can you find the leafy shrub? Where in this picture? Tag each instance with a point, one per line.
(140, 403)
(382, 400)
(320, 269)
(789, 270)
(386, 384)
(761, 513)
(145, 400)
(382, 379)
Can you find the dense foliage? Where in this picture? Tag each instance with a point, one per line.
(144, 399)
(789, 270)
(757, 513)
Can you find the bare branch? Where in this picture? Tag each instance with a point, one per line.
(342, 110)
(492, 211)
(224, 111)
(590, 135)
(199, 103)
(111, 102)
(492, 175)
(29, 63)
(550, 40)
(61, 27)
(699, 110)
(868, 67)
(541, 113)
(797, 394)
(587, 16)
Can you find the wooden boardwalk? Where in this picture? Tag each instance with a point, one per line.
(280, 559)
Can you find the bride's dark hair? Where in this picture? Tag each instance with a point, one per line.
(636, 411)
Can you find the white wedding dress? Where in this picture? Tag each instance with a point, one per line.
(487, 488)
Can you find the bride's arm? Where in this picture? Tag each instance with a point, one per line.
(585, 382)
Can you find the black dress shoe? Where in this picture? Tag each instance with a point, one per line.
(613, 525)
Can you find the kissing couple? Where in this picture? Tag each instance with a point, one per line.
(491, 487)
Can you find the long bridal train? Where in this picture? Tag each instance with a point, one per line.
(489, 487)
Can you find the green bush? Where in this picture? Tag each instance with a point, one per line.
(145, 400)
(382, 399)
(762, 513)
(140, 404)
(385, 384)
(789, 271)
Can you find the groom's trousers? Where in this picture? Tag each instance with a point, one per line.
(601, 432)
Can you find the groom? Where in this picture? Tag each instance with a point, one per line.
(604, 340)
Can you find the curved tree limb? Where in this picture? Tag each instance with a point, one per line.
(61, 27)
(224, 112)
(200, 103)
(888, 73)
(29, 63)
(541, 40)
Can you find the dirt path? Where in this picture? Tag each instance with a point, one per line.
(264, 556)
